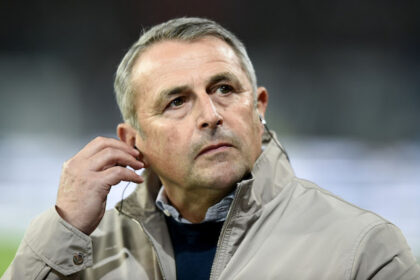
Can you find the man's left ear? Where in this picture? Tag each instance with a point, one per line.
(262, 100)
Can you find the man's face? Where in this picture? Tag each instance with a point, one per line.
(196, 109)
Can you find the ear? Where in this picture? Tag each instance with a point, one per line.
(131, 137)
(262, 100)
(127, 134)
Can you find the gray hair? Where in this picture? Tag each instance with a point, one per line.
(185, 29)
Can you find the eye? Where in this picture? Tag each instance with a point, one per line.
(176, 102)
(224, 89)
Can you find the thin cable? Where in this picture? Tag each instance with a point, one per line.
(122, 196)
(275, 141)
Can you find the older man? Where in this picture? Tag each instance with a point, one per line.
(219, 200)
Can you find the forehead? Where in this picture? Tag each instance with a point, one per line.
(174, 63)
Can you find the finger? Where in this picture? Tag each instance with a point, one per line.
(100, 143)
(116, 174)
(109, 157)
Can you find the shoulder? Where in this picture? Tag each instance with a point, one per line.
(370, 243)
(319, 202)
(325, 212)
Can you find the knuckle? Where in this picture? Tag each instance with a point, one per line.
(72, 168)
(65, 165)
(68, 164)
(108, 152)
(100, 140)
(119, 171)
(111, 153)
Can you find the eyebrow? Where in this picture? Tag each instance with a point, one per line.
(224, 76)
(219, 77)
(166, 93)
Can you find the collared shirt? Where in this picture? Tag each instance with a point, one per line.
(216, 213)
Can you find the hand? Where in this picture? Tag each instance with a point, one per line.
(86, 180)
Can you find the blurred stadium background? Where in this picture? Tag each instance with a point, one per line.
(343, 78)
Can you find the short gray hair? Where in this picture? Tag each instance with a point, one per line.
(185, 29)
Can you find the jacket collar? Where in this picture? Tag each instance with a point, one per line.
(270, 173)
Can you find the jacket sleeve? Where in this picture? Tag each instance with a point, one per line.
(383, 253)
(51, 249)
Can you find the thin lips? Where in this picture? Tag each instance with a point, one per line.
(211, 147)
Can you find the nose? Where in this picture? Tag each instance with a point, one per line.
(208, 116)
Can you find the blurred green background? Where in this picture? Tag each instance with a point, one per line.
(8, 246)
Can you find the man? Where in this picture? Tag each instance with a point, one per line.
(219, 199)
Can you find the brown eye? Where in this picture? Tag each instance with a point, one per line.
(224, 89)
(177, 102)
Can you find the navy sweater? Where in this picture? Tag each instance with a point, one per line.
(194, 247)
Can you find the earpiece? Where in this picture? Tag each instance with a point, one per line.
(262, 120)
(264, 123)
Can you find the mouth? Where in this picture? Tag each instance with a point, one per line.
(214, 148)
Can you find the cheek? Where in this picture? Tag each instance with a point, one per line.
(164, 145)
(245, 120)
(247, 127)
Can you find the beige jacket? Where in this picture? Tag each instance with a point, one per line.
(278, 227)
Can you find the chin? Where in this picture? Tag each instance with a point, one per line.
(223, 177)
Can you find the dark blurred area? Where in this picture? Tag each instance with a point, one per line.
(333, 68)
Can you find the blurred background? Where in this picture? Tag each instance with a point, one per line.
(343, 78)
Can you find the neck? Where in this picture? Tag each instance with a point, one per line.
(193, 204)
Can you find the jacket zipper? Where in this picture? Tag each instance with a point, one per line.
(222, 235)
(149, 239)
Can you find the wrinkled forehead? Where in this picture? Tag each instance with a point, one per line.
(177, 60)
(160, 55)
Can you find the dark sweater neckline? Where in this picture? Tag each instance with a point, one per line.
(194, 247)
